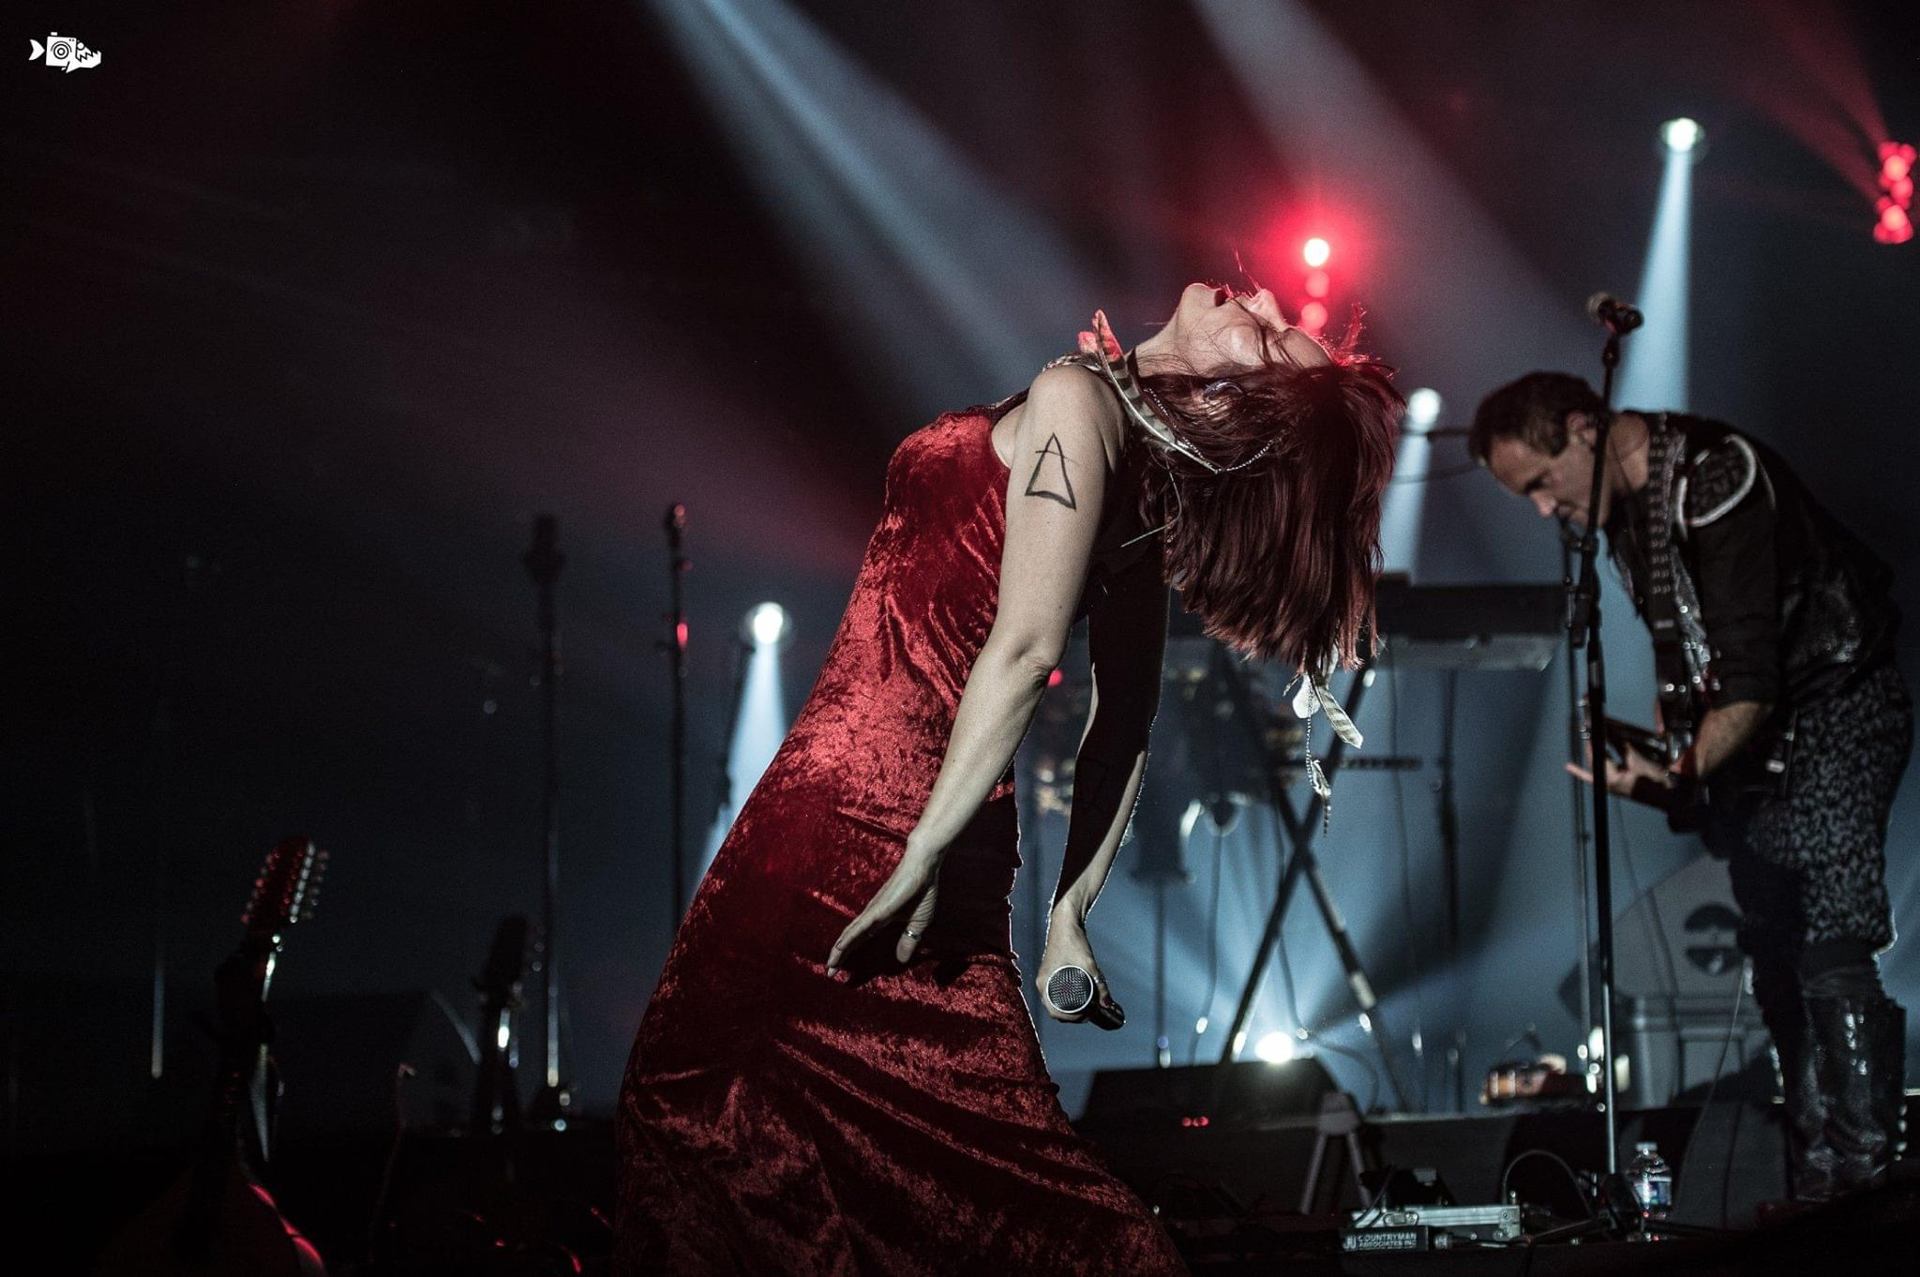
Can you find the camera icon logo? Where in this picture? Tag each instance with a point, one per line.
(64, 52)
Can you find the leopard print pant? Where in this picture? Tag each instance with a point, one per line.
(1810, 865)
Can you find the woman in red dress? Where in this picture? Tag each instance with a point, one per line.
(837, 1073)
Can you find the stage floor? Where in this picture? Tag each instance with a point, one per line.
(1233, 1198)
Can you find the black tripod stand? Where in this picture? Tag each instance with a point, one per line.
(1299, 830)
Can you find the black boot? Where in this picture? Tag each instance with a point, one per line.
(1860, 1057)
(1810, 1157)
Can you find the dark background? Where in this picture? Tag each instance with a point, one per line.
(310, 308)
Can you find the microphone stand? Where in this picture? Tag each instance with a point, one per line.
(675, 646)
(543, 562)
(1584, 620)
(723, 791)
(1576, 738)
(1448, 815)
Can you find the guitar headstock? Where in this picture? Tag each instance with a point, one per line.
(287, 889)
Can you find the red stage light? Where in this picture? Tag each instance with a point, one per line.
(1894, 227)
(1313, 317)
(1318, 283)
(1315, 252)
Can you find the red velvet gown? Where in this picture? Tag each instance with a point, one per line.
(775, 1120)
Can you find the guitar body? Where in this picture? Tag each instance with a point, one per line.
(219, 1225)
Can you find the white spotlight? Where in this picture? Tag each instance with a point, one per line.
(759, 714)
(1275, 1048)
(767, 624)
(1681, 135)
(1423, 408)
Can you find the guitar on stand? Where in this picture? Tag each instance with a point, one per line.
(218, 1220)
(496, 1097)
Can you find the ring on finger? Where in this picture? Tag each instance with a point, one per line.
(910, 933)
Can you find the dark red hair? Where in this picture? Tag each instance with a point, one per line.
(1278, 559)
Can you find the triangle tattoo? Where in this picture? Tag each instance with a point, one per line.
(1049, 478)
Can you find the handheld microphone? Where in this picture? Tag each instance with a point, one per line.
(1071, 991)
(1611, 313)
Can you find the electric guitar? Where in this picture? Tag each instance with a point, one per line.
(1663, 748)
(217, 1220)
(1763, 763)
(1683, 799)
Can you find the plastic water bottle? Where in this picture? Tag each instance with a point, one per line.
(1652, 1182)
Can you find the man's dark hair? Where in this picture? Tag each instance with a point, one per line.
(1533, 410)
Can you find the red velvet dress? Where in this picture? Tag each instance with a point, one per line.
(775, 1120)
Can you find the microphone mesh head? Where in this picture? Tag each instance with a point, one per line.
(1070, 989)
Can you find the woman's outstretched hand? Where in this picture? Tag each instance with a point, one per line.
(912, 891)
(1067, 946)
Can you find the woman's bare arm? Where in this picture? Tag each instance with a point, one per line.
(1127, 631)
(1127, 641)
(1065, 446)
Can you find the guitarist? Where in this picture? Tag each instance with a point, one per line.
(1786, 722)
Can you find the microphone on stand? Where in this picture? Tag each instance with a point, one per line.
(1616, 316)
(1071, 991)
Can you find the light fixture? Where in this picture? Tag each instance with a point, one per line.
(767, 624)
(1682, 136)
(1275, 1048)
(1894, 223)
(1423, 408)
